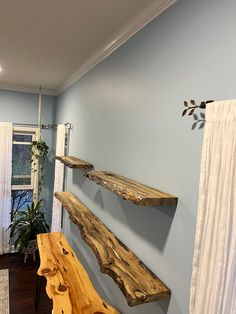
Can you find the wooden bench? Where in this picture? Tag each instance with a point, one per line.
(68, 284)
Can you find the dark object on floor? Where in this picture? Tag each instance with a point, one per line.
(39, 280)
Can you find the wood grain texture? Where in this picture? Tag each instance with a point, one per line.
(138, 284)
(68, 284)
(74, 162)
(133, 191)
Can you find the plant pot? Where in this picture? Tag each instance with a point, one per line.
(31, 248)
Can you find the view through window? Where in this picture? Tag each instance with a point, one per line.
(24, 179)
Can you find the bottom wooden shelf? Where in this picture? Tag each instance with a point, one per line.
(136, 281)
(68, 284)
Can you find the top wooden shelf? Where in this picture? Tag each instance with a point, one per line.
(137, 193)
(73, 162)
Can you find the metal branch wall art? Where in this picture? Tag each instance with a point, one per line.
(190, 107)
(199, 121)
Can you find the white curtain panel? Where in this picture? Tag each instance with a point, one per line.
(6, 130)
(213, 284)
(58, 179)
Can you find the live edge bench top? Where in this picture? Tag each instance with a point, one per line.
(68, 284)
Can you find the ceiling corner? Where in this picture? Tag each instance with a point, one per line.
(151, 12)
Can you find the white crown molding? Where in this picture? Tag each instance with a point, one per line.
(117, 40)
(23, 89)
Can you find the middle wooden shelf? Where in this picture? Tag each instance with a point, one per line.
(131, 190)
(136, 281)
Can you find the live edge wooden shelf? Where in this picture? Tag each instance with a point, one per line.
(68, 284)
(74, 162)
(138, 284)
(137, 193)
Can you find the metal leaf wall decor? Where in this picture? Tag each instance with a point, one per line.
(189, 110)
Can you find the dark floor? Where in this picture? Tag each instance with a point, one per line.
(23, 285)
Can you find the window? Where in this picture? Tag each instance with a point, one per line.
(24, 176)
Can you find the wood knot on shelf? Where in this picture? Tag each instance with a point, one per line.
(62, 287)
(140, 295)
(49, 271)
(65, 251)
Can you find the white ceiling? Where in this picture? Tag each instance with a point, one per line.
(54, 42)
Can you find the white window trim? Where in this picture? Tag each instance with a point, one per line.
(34, 177)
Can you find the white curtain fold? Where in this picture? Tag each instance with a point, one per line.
(58, 179)
(213, 284)
(6, 130)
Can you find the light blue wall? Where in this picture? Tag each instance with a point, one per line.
(21, 107)
(126, 114)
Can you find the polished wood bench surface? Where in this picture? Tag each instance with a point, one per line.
(68, 284)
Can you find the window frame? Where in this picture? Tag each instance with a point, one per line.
(34, 168)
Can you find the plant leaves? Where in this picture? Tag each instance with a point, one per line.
(185, 103)
(193, 102)
(195, 117)
(27, 224)
(184, 112)
(39, 153)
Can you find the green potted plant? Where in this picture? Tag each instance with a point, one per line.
(25, 226)
(39, 153)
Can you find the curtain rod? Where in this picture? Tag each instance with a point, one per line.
(44, 126)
